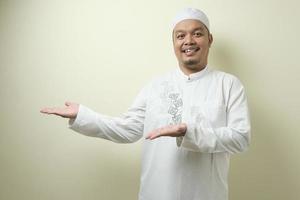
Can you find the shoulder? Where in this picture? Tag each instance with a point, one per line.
(157, 81)
(225, 77)
(162, 78)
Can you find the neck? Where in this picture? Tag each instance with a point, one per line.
(187, 70)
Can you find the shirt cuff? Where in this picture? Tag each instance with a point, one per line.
(84, 114)
(187, 136)
(188, 141)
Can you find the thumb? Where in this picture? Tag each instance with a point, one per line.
(67, 103)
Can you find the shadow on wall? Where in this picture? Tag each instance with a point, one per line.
(264, 170)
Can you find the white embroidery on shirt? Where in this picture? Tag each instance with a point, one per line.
(174, 102)
(175, 108)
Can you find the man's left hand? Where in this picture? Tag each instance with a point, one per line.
(170, 130)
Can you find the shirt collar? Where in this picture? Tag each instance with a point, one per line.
(193, 76)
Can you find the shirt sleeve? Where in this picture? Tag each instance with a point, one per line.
(125, 129)
(203, 136)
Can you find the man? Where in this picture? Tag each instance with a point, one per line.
(203, 110)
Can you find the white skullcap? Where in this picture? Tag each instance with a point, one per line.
(191, 13)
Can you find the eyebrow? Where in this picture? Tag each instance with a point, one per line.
(198, 28)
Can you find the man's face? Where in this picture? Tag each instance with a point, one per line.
(191, 42)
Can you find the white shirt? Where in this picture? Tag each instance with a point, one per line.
(194, 167)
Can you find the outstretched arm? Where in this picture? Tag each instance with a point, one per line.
(203, 136)
(125, 129)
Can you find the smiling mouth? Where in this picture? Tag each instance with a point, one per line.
(190, 50)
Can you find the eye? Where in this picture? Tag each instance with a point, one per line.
(180, 36)
(198, 34)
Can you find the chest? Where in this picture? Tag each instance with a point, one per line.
(174, 102)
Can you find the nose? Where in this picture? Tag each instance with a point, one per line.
(189, 40)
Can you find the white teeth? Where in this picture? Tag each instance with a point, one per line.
(188, 50)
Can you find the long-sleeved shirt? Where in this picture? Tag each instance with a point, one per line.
(193, 167)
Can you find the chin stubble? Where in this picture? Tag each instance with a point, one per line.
(190, 63)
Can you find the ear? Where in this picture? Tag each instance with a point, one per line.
(210, 39)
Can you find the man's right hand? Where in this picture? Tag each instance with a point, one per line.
(69, 111)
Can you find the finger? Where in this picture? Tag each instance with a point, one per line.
(54, 111)
(149, 135)
(68, 103)
(47, 110)
(152, 135)
(165, 131)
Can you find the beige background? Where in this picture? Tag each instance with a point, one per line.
(100, 53)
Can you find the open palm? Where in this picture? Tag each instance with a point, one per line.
(69, 111)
